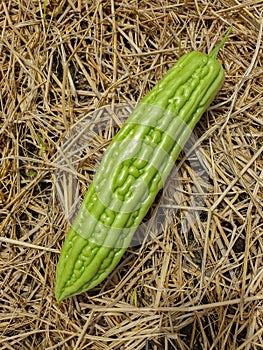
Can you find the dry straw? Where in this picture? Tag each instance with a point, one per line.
(198, 288)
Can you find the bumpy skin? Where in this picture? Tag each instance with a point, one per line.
(133, 170)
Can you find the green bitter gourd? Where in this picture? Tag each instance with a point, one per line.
(133, 170)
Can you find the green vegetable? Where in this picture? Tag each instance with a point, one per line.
(133, 170)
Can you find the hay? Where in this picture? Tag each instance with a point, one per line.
(189, 287)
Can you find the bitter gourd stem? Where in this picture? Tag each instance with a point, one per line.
(215, 51)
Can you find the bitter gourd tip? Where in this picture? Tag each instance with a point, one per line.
(215, 51)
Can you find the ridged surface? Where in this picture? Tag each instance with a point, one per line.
(133, 170)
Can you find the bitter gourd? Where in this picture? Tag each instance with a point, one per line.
(133, 170)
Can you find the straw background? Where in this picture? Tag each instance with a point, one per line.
(197, 289)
